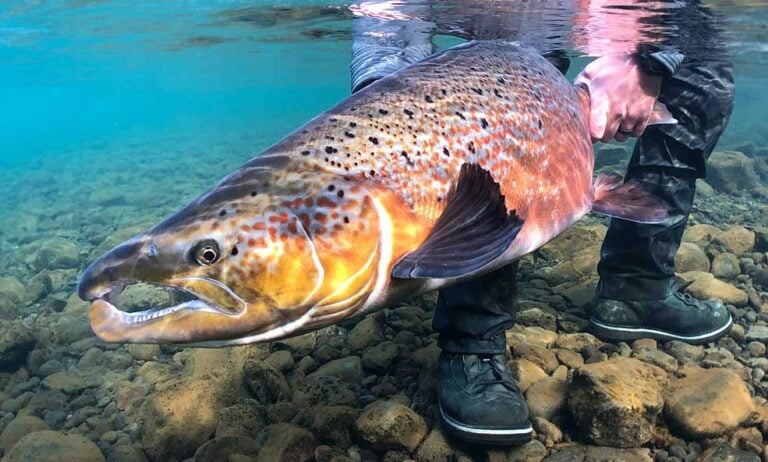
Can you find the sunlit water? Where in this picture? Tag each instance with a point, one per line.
(141, 105)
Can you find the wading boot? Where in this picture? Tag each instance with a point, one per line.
(677, 317)
(480, 401)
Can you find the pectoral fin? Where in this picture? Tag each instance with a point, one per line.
(473, 230)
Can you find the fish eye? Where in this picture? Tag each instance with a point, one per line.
(205, 252)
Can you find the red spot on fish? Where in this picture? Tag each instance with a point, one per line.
(298, 202)
(259, 226)
(325, 202)
(245, 228)
(272, 233)
(321, 217)
(335, 215)
(292, 228)
(310, 202)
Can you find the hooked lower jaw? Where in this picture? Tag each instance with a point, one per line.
(112, 324)
(195, 322)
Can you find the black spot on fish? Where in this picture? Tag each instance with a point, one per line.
(461, 116)
(254, 193)
(497, 93)
(333, 119)
(373, 172)
(349, 135)
(340, 194)
(346, 219)
(373, 139)
(409, 113)
(234, 250)
(352, 124)
(471, 147)
(428, 99)
(383, 112)
(304, 153)
(446, 152)
(328, 149)
(541, 125)
(331, 187)
(222, 213)
(484, 123)
(478, 91)
(501, 80)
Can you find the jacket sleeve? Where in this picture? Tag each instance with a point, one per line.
(382, 46)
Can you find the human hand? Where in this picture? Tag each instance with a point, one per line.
(622, 98)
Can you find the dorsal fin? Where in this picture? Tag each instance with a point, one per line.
(473, 230)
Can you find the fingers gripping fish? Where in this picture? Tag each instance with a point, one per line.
(448, 169)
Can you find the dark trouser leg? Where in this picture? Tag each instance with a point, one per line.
(478, 398)
(637, 261)
(471, 317)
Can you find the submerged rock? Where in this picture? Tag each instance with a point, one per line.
(731, 172)
(708, 287)
(176, 420)
(580, 453)
(546, 398)
(737, 240)
(725, 453)
(245, 418)
(388, 425)
(701, 234)
(51, 446)
(690, 257)
(334, 424)
(726, 266)
(287, 443)
(19, 427)
(224, 448)
(435, 447)
(616, 402)
(707, 402)
(532, 451)
(55, 253)
(16, 340)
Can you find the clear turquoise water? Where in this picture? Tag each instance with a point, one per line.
(154, 101)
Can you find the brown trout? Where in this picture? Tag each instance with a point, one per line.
(448, 169)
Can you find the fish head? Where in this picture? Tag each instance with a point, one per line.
(263, 255)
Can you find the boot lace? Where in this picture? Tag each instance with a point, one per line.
(486, 372)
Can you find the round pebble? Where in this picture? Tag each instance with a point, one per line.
(756, 349)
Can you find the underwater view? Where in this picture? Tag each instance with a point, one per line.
(291, 313)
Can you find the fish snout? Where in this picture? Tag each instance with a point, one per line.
(116, 266)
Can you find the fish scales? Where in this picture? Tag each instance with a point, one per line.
(484, 136)
(500, 106)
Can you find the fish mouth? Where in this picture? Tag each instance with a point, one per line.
(171, 324)
(194, 301)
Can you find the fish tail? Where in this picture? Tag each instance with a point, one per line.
(629, 201)
(661, 115)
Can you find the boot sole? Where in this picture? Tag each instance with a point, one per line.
(486, 436)
(621, 333)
